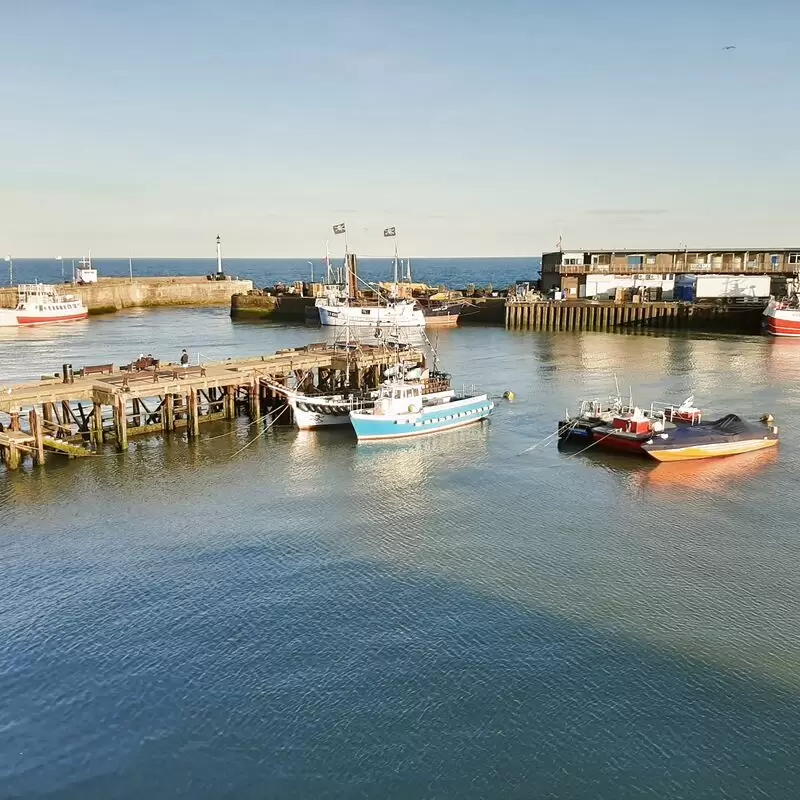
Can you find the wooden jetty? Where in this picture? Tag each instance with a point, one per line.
(75, 413)
(560, 315)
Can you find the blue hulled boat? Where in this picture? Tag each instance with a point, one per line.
(403, 408)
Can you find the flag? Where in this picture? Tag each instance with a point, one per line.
(339, 228)
(389, 232)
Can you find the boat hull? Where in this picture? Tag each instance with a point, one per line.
(780, 321)
(405, 316)
(619, 441)
(433, 419)
(717, 450)
(323, 412)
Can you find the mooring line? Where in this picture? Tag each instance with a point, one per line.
(261, 433)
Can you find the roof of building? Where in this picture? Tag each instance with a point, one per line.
(677, 250)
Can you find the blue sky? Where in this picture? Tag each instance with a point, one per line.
(475, 128)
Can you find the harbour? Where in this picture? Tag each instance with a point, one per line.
(674, 611)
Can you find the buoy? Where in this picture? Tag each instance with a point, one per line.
(508, 396)
(767, 419)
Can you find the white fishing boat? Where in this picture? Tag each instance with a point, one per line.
(42, 304)
(341, 305)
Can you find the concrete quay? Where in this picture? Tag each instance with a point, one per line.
(114, 294)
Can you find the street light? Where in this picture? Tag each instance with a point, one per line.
(58, 258)
(10, 270)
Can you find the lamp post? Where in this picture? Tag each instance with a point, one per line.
(10, 270)
(58, 258)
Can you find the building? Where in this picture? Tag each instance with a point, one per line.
(598, 273)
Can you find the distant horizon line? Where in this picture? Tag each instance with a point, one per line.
(261, 258)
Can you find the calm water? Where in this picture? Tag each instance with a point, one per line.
(456, 617)
(453, 272)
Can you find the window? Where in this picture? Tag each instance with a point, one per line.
(651, 260)
(572, 262)
(635, 261)
(794, 258)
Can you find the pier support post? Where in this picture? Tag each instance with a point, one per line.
(168, 413)
(137, 412)
(12, 457)
(14, 424)
(193, 415)
(97, 424)
(230, 402)
(255, 398)
(121, 423)
(38, 441)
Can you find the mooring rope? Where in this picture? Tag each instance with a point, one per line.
(549, 437)
(261, 433)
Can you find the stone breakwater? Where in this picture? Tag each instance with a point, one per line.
(114, 294)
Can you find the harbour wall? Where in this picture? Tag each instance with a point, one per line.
(114, 294)
(481, 310)
(288, 307)
(594, 316)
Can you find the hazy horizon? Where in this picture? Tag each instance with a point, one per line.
(483, 128)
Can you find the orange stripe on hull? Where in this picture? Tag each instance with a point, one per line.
(712, 451)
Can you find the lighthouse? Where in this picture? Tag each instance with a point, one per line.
(220, 275)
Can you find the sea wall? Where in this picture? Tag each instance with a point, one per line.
(114, 294)
(267, 306)
(557, 315)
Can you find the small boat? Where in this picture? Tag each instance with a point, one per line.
(401, 410)
(442, 314)
(782, 316)
(629, 430)
(593, 414)
(42, 304)
(727, 436)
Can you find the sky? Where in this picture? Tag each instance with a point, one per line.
(475, 128)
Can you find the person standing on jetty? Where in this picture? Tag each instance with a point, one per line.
(184, 358)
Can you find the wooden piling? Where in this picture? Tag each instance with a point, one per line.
(121, 422)
(193, 414)
(97, 424)
(38, 439)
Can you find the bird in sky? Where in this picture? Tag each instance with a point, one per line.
(729, 47)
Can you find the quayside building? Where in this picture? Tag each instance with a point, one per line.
(599, 273)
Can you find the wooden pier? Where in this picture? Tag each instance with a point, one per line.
(609, 316)
(76, 413)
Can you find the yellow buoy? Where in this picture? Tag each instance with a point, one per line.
(767, 419)
(508, 396)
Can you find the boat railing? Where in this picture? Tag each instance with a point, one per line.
(670, 411)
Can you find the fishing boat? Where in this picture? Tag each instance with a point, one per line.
(727, 436)
(313, 410)
(42, 304)
(782, 316)
(401, 410)
(341, 304)
(595, 414)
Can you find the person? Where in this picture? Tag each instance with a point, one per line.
(184, 358)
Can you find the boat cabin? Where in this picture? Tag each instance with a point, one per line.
(636, 423)
(399, 398)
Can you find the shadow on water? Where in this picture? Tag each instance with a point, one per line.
(313, 676)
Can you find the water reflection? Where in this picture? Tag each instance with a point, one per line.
(708, 475)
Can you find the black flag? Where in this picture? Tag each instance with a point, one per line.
(389, 232)
(339, 228)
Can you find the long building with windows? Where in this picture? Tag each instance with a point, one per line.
(593, 273)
